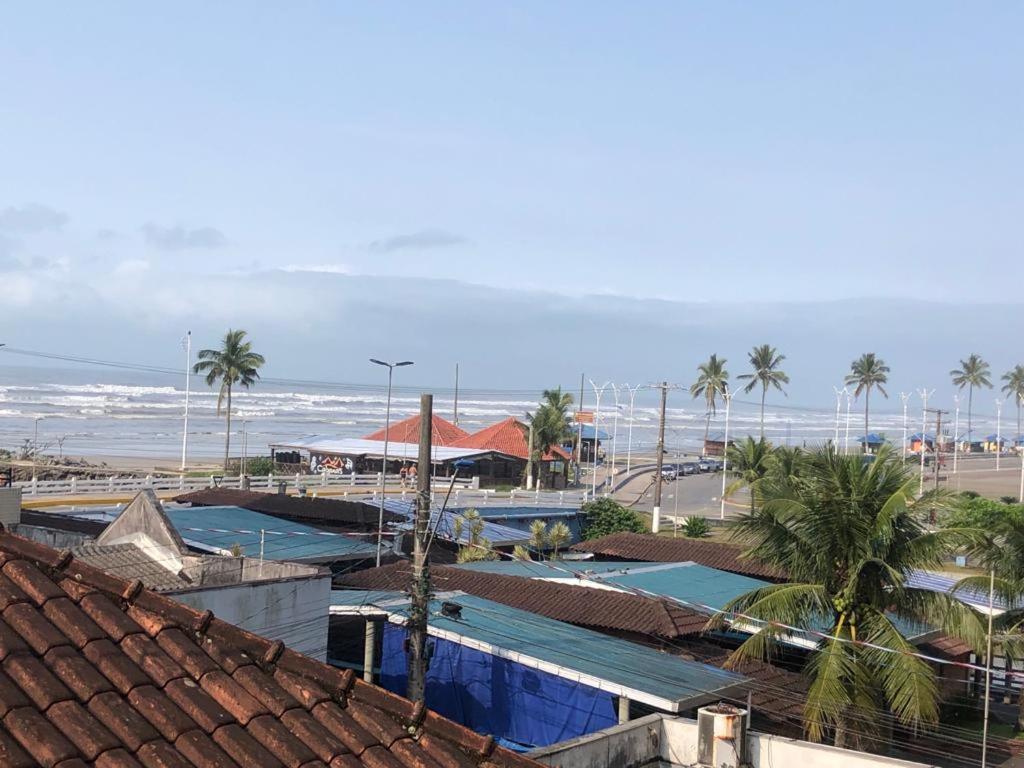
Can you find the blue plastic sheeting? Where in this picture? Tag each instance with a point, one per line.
(499, 535)
(220, 528)
(499, 697)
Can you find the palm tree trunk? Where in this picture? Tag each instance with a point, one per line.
(970, 403)
(707, 426)
(764, 391)
(227, 434)
(867, 398)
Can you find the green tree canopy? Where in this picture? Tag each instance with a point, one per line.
(233, 363)
(606, 516)
(866, 372)
(764, 362)
(973, 372)
(712, 381)
(846, 532)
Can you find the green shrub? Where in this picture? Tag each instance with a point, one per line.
(697, 527)
(606, 516)
(978, 512)
(260, 465)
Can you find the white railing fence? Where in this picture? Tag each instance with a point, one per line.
(119, 485)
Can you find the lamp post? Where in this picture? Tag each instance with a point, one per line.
(727, 396)
(188, 371)
(925, 394)
(598, 391)
(629, 439)
(615, 431)
(846, 439)
(956, 431)
(999, 430)
(387, 434)
(904, 396)
(839, 399)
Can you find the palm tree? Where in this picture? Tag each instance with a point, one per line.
(234, 363)
(711, 382)
(1014, 387)
(846, 533)
(973, 372)
(550, 421)
(868, 371)
(558, 536)
(749, 461)
(765, 361)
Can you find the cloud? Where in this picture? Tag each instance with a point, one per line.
(180, 238)
(329, 269)
(31, 218)
(425, 238)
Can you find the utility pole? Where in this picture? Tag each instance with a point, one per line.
(420, 601)
(455, 419)
(656, 515)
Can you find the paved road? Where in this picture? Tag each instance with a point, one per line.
(688, 495)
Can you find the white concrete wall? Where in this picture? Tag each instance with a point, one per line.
(295, 611)
(674, 740)
(10, 506)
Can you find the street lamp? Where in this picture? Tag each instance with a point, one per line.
(615, 431)
(598, 391)
(387, 434)
(629, 439)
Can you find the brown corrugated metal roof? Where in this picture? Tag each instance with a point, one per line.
(330, 511)
(97, 671)
(600, 609)
(658, 549)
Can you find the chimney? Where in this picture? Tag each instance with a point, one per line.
(721, 736)
(10, 506)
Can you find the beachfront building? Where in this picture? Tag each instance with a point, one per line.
(509, 441)
(590, 438)
(874, 441)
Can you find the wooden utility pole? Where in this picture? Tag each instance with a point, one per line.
(420, 602)
(656, 516)
(938, 442)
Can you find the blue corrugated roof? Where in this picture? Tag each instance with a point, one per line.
(589, 430)
(598, 660)
(530, 512)
(497, 534)
(220, 528)
(939, 582)
(556, 570)
(872, 438)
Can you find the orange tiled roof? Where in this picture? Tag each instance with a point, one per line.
(97, 671)
(443, 432)
(508, 437)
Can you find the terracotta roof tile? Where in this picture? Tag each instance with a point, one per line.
(583, 606)
(443, 432)
(658, 549)
(509, 437)
(97, 671)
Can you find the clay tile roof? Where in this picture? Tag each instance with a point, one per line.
(328, 511)
(597, 609)
(508, 437)
(97, 671)
(443, 432)
(657, 549)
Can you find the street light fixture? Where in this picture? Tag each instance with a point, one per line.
(387, 434)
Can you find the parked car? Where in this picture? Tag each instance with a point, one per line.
(704, 465)
(716, 465)
(668, 474)
(690, 468)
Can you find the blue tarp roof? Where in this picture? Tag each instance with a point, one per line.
(497, 534)
(872, 438)
(917, 436)
(220, 528)
(608, 663)
(588, 432)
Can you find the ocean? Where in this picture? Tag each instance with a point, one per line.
(115, 413)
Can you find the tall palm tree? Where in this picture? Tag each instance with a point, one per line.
(765, 361)
(234, 363)
(846, 533)
(1014, 387)
(712, 380)
(749, 462)
(550, 421)
(868, 371)
(973, 372)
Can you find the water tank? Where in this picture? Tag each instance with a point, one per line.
(10, 506)
(722, 736)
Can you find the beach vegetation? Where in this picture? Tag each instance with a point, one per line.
(868, 372)
(712, 381)
(605, 516)
(233, 363)
(973, 372)
(696, 527)
(765, 371)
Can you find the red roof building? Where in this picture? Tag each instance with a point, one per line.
(408, 431)
(510, 437)
(97, 671)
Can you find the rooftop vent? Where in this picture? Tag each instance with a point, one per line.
(721, 736)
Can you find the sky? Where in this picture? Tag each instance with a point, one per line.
(620, 166)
